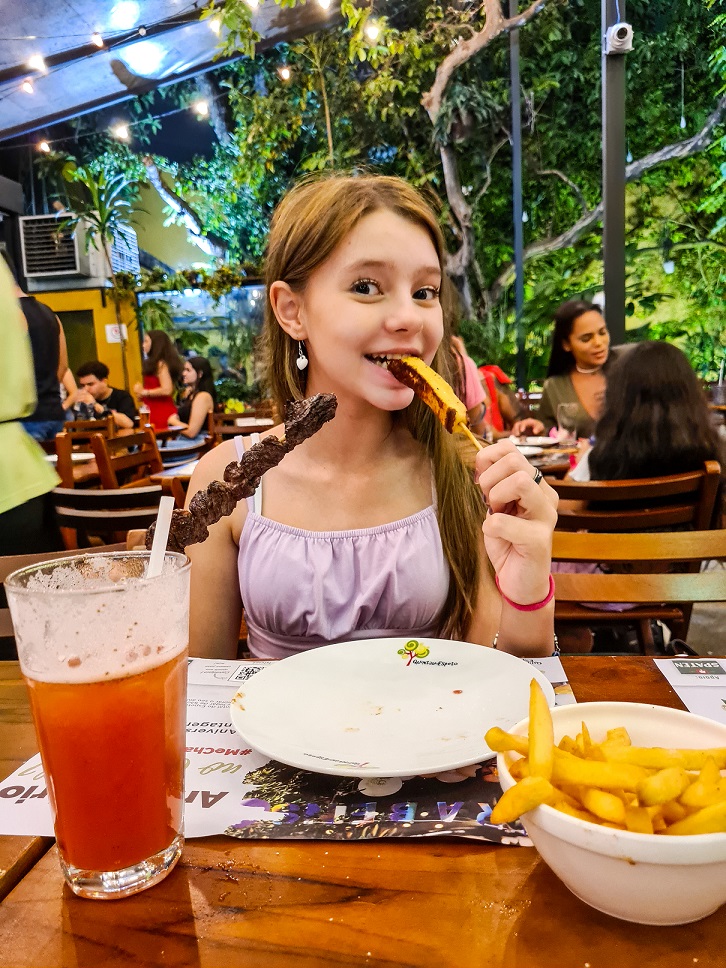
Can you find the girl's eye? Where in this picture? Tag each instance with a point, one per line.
(427, 293)
(366, 287)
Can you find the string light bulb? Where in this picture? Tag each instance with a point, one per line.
(215, 25)
(285, 73)
(27, 86)
(37, 63)
(325, 4)
(97, 39)
(201, 108)
(372, 31)
(121, 131)
(254, 4)
(44, 147)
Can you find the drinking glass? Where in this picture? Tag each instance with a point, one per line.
(567, 423)
(103, 651)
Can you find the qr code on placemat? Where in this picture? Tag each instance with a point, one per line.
(245, 672)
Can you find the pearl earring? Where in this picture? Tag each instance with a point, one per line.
(302, 360)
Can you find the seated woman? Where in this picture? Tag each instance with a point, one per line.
(655, 422)
(198, 399)
(577, 370)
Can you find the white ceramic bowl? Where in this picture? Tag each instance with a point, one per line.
(646, 878)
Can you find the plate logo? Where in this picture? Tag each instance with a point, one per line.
(414, 649)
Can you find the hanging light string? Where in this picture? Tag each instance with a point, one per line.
(683, 99)
(107, 43)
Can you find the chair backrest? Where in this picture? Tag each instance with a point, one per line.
(104, 512)
(637, 505)
(80, 430)
(659, 573)
(126, 461)
(11, 563)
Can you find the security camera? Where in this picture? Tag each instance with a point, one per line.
(619, 39)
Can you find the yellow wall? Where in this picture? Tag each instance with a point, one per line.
(71, 300)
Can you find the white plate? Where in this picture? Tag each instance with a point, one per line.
(533, 441)
(529, 451)
(78, 457)
(367, 709)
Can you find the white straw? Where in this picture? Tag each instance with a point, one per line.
(720, 374)
(161, 535)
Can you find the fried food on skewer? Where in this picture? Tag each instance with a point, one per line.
(303, 418)
(435, 392)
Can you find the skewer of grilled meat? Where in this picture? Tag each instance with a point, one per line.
(303, 418)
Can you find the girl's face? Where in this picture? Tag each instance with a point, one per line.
(189, 374)
(146, 344)
(589, 341)
(376, 296)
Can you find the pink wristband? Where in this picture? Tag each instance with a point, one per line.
(535, 605)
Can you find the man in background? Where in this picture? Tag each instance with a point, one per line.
(50, 362)
(96, 399)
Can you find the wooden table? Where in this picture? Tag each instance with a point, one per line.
(243, 425)
(181, 471)
(381, 904)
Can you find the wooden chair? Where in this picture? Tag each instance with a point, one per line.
(638, 505)
(180, 454)
(660, 573)
(82, 430)
(11, 563)
(86, 514)
(127, 461)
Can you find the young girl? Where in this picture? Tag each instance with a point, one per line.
(162, 369)
(374, 526)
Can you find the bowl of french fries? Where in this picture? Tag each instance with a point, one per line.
(625, 802)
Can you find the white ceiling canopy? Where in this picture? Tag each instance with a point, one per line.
(145, 44)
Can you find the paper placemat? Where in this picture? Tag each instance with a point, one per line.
(700, 684)
(236, 790)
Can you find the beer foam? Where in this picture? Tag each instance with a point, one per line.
(94, 619)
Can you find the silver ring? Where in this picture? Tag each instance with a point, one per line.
(538, 476)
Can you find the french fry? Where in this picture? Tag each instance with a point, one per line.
(501, 742)
(541, 733)
(665, 785)
(707, 789)
(520, 768)
(673, 811)
(530, 792)
(709, 820)
(660, 759)
(638, 821)
(605, 805)
(564, 807)
(569, 745)
(618, 737)
(590, 773)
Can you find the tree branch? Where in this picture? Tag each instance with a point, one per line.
(209, 91)
(568, 182)
(494, 25)
(191, 220)
(633, 171)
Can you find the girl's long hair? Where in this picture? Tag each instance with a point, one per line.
(162, 349)
(309, 224)
(562, 360)
(655, 420)
(205, 378)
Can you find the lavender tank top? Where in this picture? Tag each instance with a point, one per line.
(302, 589)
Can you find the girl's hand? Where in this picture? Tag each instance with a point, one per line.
(519, 524)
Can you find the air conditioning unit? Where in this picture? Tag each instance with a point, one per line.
(51, 251)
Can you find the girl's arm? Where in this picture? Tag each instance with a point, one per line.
(202, 404)
(216, 606)
(517, 536)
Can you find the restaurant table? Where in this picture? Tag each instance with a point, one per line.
(169, 433)
(181, 471)
(243, 425)
(393, 903)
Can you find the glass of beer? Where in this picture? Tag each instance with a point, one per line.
(103, 650)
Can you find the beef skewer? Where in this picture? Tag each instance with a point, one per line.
(303, 418)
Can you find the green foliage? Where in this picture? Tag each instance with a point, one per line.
(218, 283)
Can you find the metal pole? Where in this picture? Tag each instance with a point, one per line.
(613, 176)
(521, 369)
